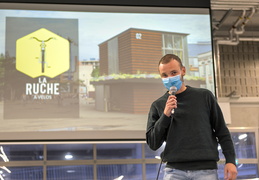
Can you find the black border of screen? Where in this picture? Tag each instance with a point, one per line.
(83, 136)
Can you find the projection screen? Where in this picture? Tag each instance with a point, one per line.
(89, 72)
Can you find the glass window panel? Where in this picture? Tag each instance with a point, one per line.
(168, 51)
(69, 151)
(150, 154)
(245, 171)
(152, 171)
(178, 53)
(23, 152)
(24, 173)
(84, 172)
(178, 43)
(168, 44)
(128, 171)
(244, 143)
(119, 151)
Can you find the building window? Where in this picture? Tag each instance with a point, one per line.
(70, 172)
(24, 152)
(125, 171)
(69, 151)
(103, 161)
(173, 44)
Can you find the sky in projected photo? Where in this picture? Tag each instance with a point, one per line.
(116, 103)
(94, 28)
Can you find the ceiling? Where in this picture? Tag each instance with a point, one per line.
(235, 20)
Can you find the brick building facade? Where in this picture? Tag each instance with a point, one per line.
(135, 51)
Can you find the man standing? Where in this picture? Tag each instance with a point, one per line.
(191, 123)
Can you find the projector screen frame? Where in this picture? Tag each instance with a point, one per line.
(186, 7)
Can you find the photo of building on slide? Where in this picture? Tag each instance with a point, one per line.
(110, 78)
(129, 80)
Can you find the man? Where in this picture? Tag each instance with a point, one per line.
(191, 123)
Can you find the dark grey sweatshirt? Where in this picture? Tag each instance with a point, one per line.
(192, 134)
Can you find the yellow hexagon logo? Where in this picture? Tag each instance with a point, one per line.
(42, 53)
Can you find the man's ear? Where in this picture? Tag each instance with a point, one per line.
(183, 70)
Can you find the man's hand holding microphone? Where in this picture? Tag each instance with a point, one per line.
(171, 103)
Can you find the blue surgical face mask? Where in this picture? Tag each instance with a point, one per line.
(172, 81)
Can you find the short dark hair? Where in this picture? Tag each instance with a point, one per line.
(169, 57)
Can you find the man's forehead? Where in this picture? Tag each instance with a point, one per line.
(172, 64)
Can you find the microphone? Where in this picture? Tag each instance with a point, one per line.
(172, 91)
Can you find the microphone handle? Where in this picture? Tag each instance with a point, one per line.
(172, 111)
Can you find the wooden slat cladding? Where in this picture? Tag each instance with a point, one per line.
(139, 51)
(135, 54)
(137, 97)
(125, 53)
(139, 54)
(126, 103)
(121, 98)
(103, 53)
(144, 95)
(240, 69)
(147, 51)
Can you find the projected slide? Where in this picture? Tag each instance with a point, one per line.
(41, 72)
(64, 71)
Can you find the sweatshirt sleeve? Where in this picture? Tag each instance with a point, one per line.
(157, 127)
(222, 132)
